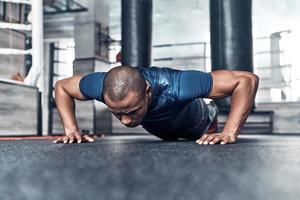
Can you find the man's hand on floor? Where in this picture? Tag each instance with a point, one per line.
(74, 137)
(215, 138)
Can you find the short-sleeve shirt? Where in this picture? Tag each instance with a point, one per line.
(172, 90)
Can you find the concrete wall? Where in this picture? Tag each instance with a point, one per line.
(11, 64)
(87, 26)
(58, 26)
(19, 109)
(286, 116)
(273, 16)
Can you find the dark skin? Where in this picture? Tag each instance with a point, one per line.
(132, 109)
(241, 86)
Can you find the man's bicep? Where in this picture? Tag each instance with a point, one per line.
(224, 82)
(71, 87)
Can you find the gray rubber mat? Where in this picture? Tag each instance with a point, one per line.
(143, 167)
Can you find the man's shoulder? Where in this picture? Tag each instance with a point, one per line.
(91, 85)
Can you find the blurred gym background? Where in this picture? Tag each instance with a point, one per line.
(45, 41)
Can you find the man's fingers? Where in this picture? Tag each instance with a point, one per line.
(215, 140)
(88, 138)
(71, 136)
(208, 139)
(57, 140)
(227, 139)
(224, 141)
(202, 139)
(78, 137)
(65, 139)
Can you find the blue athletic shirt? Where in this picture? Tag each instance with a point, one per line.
(172, 90)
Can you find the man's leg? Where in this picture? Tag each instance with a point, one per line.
(191, 123)
(201, 118)
(213, 115)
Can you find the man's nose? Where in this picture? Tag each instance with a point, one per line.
(125, 120)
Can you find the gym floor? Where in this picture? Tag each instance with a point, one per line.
(144, 167)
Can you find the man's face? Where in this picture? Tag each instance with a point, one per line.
(132, 109)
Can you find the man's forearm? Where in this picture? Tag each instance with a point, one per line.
(66, 109)
(242, 100)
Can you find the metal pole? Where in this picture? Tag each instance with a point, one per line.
(35, 76)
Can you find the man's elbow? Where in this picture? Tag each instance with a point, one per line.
(251, 80)
(59, 86)
(254, 81)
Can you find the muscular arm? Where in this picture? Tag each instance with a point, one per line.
(242, 87)
(66, 91)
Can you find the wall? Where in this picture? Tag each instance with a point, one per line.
(271, 16)
(286, 116)
(87, 26)
(11, 64)
(174, 22)
(19, 109)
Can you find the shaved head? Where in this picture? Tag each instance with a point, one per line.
(121, 80)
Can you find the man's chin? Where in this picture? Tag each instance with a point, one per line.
(132, 125)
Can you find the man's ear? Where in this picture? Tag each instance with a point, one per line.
(148, 89)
